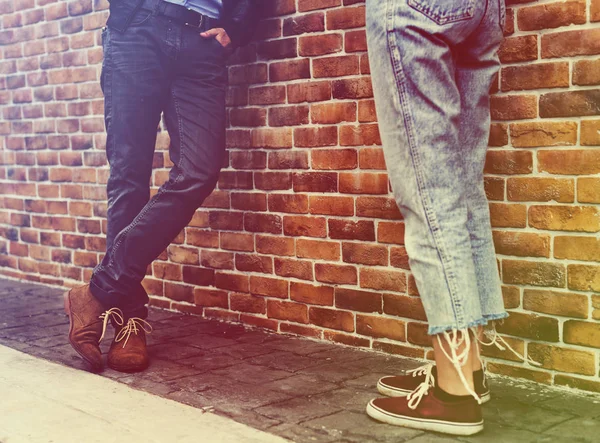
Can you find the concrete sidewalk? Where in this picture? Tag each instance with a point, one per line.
(294, 388)
(43, 401)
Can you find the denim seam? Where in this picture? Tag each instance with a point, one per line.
(394, 48)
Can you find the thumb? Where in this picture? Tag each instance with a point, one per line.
(210, 33)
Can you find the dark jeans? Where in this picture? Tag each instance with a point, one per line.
(156, 66)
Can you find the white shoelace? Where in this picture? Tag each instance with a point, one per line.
(498, 341)
(133, 325)
(414, 398)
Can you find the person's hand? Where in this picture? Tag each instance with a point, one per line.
(220, 35)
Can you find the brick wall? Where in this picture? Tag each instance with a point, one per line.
(302, 235)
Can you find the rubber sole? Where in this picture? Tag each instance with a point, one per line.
(67, 304)
(390, 391)
(424, 424)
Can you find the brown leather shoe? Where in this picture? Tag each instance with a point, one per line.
(85, 330)
(128, 352)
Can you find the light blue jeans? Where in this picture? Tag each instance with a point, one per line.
(432, 64)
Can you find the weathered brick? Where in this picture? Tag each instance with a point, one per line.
(271, 287)
(582, 333)
(588, 190)
(519, 49)
(570, 104)
(340, 274)
(351, 230)
(530, 326)
(274, 245)
(336, 66)
(570, 43)
(540, 189)
(286, 310)
(513, 107)
(520, 372)
(331, 205)
(536, 134)
(565, 218)
(536, 76)
(551, 15)
(364, 254)
(346, 18)
(315, 45)
(584, 277)
(533, 273)
(577, 248)
(313, 295)
(331, 318)
(329, 113)
(315, 137)
(328, 159)
(381, 327)
(383, 280)
(586, 72)
(248, 303)
(300, 269)
(317, 249)
(290, 203)
(309, 91)
(508, 162)
(590, 132)
(522, 244)
(566, 304)
(569, 162)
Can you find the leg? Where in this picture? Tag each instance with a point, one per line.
(135, 80)
(476, 65)
(195, 116)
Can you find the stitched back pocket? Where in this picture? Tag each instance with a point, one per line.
(444, 11)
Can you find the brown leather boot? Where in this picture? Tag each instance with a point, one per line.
(128, 352)
(85, 330)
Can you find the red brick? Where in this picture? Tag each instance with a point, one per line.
(353, 300)
(271, 287)
(267, 95)
(513, 107)
(570, 162)
(235, 180)
(508, 162)
(334, 159)
(340, 274)
(309, 5)
(285, 310)
(301, 24)
(331, 205)
(522, 244)
(390, 232)
(330, 113)
(309, 92)
(237, 242)
(337, 66)
(351, 230)
(361, 135)
(520, 272)
(317, 249)
(288, 116)
(539, 134)
(313, 137)
(257, 222)
(378, 207)
(274, 245)
(288, 160)
(331, 318)
(551, 15)
(300, 269)
(290, 203)
(363, 183)
(232, 282)
(248, 159)
(315, 45)
(355, 41)
(212, 298)
(381, 327)
(565, 218)
(315, 182)
(224, 220)
(383, 280)
(304, 226)
(289, 70)
(277, 49)
(364, 254)
(519, 49)
(346, 18)
(246, 201)
(314, 295)
(217, 259)
(536, 76)
(248, 303)
(202, 238)
(272, 138)
(508, 216)
(570, 43)
(270, 181)
(253, 263)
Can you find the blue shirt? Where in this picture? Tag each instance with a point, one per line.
(211, 8)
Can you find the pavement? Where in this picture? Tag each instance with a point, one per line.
(218, 382)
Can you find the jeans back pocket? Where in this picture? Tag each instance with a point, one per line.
(444, 11)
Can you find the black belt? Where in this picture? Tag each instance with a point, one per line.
(181, 14)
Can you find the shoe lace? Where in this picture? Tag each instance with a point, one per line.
(498, 341)
(421, 370)
(414, 398)
(134, 325)
(106, 316)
